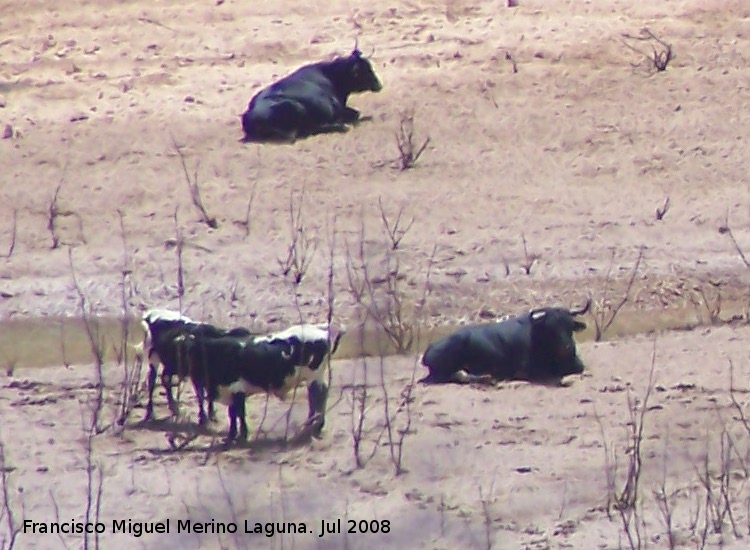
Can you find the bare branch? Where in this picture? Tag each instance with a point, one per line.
(604, 316)
(659, 58)
(396, 232)
(662, 211)
(409, 151)
(194, 189)
(727, 228)
(12, 245)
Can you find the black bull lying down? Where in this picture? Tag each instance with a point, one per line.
(227, 365)
(535, 346)
(311, 100)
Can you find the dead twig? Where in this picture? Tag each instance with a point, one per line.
(604, 314)
(395, 231)
(659, 58)
(302, 247)
(409, 151)
(12, 244)
(662, 211)
(194, 189)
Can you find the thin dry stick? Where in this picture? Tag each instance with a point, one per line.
(396, 232)
(627, 502)
(408, 150)
(406, 395)
(10, 517)
(529, 259)
(601, 325)
(178, 249)
(662, 211)
(194, 189)
(485, 501)
(12, 245)
(301, 247)
(56, 507)
(52, 218)
(726, 228)
(659, 59)
(131, 373)
(96, 345)
(247, 222)
(230, 503)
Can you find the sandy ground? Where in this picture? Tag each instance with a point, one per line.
(573, 153)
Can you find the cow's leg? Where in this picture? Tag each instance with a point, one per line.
(232, 434)
(166, 381)
(317, 396)
(150, 384)
(211, 407)
(239, 403)
(200, 394)
(463, 377)
(349, 115)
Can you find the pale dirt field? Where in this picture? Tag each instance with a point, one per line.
(574, 151)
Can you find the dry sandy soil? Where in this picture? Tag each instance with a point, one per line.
(572, 153)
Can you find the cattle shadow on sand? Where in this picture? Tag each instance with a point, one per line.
(183, 439)
(280, 140)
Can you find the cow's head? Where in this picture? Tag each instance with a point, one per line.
(359, 74)
(552, 340)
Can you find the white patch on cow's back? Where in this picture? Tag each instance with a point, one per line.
(153, 315)
(536, 315)
(304, 333)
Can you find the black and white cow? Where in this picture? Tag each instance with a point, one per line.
(535, 346)
(311, 100)
(230, 368)
(163, 330)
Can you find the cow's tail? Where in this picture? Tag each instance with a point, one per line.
(584, 309)
(337, 341)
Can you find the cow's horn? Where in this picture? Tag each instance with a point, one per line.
(288, 355)
(583, 310)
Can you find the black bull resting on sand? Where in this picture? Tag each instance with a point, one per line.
(311, 100)
(535, 346)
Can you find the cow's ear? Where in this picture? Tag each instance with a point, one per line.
(578, 326)
(538, 315)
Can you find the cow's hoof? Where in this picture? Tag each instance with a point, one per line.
(565, 383)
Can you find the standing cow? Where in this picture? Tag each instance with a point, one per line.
(311, 100)
(229, 368)
(535, 346)
(164, 330)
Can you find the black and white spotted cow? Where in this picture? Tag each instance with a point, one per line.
(164, 330)
(230, 368)
(536, 346)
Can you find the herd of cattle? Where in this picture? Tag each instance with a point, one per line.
(229, 364)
